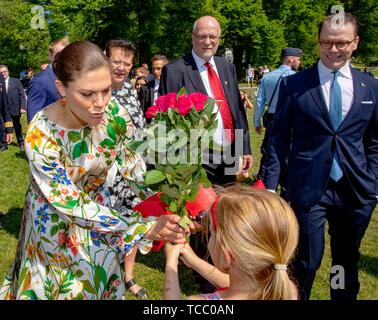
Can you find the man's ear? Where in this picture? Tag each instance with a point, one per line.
(59, 85)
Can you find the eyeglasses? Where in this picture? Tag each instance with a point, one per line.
(118, 63)
(342, 45)
(203, 37)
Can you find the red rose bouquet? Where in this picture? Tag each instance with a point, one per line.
(181, 128)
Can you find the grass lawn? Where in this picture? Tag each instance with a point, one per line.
(149, 271)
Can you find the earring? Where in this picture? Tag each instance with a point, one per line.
(63, 102)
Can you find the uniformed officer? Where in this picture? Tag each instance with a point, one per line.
(6, 126)
(268, 94)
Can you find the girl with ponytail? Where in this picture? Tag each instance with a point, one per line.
(254, 235)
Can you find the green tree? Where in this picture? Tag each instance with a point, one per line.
(21, 43)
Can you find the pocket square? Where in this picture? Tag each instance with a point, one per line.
(367, 102)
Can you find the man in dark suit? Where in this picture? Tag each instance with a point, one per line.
(192, 72)
(41, 90)
(6, 127)
(17, 102)
(201, 71)
(326, 123)
(150, 91)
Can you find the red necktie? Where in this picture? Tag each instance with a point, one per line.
(222, 103)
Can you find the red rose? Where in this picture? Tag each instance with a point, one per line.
(198, 100)
(163, 103)
(151, 112)
(184, 104)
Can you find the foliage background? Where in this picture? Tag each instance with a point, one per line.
(256, 30)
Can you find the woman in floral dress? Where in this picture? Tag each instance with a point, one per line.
(72, 243)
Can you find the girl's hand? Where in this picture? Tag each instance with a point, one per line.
(172, 253)
(188, 256)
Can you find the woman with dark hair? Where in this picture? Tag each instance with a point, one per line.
(122, 193)
(72, 243)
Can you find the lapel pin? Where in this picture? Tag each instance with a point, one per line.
(226, 83)
(362, 84)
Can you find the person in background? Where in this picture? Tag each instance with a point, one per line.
(41, 90)
(140, 82)
(124, 194)
(368, 72)
(16, 102)
(151, 92)
(267, 94)
(150, 77)
(250, 75)
(253, 238)
(246, 102)
(72, 243)
(6, 125)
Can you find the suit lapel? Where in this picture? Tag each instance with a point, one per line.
(315, 89)
(193, 74)
(358, 94)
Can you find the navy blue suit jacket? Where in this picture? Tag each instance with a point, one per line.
(184, 73)
(41, 92)
(302, 130)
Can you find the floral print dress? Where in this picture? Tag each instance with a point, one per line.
(71, 242)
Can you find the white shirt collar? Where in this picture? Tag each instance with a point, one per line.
(200, 62)
(326, 72)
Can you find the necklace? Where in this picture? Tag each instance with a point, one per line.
(81, 121)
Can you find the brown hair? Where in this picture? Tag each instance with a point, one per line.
(260, 231)
(160, 57)
(119, 43)
(347, 18)
(64, 41)
(78, 57)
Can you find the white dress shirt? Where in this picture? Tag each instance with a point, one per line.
(6, 84)
(219, 134)
(345, 81)
(156, 88)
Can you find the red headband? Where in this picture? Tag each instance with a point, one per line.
(213, 216)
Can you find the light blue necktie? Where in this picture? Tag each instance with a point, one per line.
(335, 113)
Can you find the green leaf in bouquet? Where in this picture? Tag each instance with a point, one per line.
(170, 191)
(158, 144)
(193, 193)
(185, 170)
(182, 92)
(154, 176)
(172, 116)
(165, 199)
(209, 108)
(173, 207)
(184, 221)
(204, 180)
(182, 124)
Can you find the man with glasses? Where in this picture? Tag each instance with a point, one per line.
(326, 124)
(202, 71)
